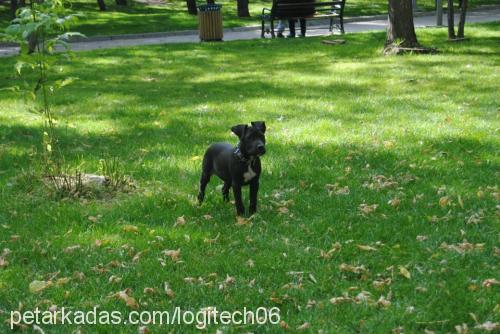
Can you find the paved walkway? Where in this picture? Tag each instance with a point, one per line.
(352, 25)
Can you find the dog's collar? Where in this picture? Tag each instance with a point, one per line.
(238, 154)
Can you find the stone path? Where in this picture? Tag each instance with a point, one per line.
(352, 25)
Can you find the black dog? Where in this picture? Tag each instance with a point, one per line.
(236, 166)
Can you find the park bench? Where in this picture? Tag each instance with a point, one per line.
(303, 9)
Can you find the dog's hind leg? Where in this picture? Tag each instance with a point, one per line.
(205, 178)
(225, 191)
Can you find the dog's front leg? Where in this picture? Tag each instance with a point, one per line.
(240, 208)
(254, 189)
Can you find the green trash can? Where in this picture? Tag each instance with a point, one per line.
(210, 22)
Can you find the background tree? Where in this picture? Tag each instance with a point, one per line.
(14, 5)
(191, 6)
(401, 36)
(451, 20)
(243, 8)
(121, 2)
(401, 30)
(101, 4)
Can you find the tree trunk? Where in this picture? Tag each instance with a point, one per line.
(102, 5)
(13, 7)
(401, 31)
(121, 2)
(191, 6)
(243, 8)
(461, 23)
(451, 20)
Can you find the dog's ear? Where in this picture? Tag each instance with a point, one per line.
(261, 126)
(239, 129)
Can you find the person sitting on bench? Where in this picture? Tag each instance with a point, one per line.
(291, 28)
(302, 10)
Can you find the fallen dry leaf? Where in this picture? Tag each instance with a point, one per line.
(462, 329)
(337, 190)
(62, 281)
(367, 209)
(283, 210)
(341, 300)
(488, 283)
(180, 221)
(352, 269)
(173, 254)
(304, 326)
(93, 219)
(138, 255)
(211, 241)
(362, 297)
(382, 302)
(241, 221)
(189, 280)
(149, 291)
(394, 202)
(311, 303)
(380, 284)
(114, 279)
(3, 258)
(284, 325)
(328, 254)
(168, 291)
(129, 301)
(230, 280)
(37, 329)
(39, 286)
(142, 330)
(489, 326)
(463, 247)
(71, 249)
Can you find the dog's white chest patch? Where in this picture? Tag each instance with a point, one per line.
(249, 174)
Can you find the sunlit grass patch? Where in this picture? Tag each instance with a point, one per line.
(374, 164)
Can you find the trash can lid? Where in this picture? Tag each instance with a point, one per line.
(209, 7)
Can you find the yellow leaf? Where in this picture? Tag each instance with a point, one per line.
(130, 228)
(403, 271)
(366, 248)
(444, 201)
(38, 286)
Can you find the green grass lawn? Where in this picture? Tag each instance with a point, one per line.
(396, 153)
(140, 18)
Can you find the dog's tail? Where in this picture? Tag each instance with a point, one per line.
(206, 172)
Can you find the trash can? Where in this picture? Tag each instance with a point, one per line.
(210, 22)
